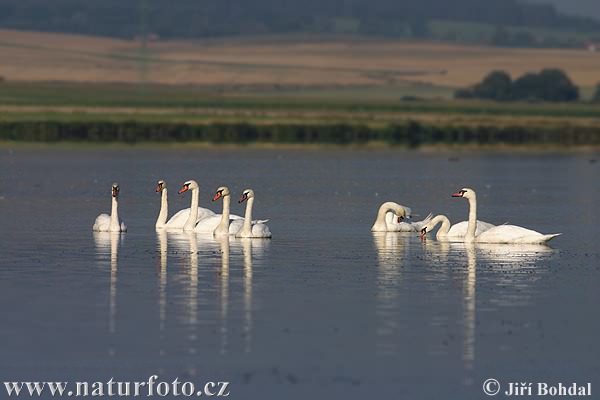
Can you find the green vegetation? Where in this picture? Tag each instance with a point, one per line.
(548, 85)
(108, 113)
(193, 102)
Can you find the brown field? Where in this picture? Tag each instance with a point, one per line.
(276, 62)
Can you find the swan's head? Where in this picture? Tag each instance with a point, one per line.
(115, 190)
(248, 194)
(221, 192)
(466, 193)
(189, 185)
(161, 185)
(423, 232)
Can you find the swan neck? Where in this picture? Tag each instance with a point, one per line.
(114, 214)
(380, 224)
(247, 228)
(223, 227)
(191, 222)
(164, 209)
(472, 226)
(444, 229)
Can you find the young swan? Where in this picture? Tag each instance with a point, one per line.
(252, 229)
(112, 222)
(498, 234)
(454, 232)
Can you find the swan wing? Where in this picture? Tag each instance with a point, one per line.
(178, 220)
(260, 230)
(210, 223)
(102, 223)
(513, 234)
(459, 230)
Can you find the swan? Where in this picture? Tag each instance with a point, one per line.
(178, 220)
(251, 229)
(390, 219)
(221, 224)
(498, 234)
(456, 231)
(193, 220)
(112, 222)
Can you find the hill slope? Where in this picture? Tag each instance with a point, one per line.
(207, 18)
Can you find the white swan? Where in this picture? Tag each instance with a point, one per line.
(192, 220)
(221, 224)
(498, 234)
(252, 229)
(178, 220)
(390, 219)
(456, 231)
(112, 222)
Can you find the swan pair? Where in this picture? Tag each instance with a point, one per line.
(112, 222)
(474, 231)
(226, 223)
(178, 220)
(390, 219)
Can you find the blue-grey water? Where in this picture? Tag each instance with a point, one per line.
(325, 309)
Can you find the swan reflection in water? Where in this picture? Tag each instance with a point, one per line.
(495, 257)
(107, 248)
(392, 248)
(214, 254)
(186, 247)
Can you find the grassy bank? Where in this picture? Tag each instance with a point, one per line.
(104, 113)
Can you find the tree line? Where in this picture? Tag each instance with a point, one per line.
(411, 133)
(209, 18)
(548, 85)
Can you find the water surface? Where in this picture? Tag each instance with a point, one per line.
(325, 309)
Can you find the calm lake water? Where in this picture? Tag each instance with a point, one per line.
(325, 309)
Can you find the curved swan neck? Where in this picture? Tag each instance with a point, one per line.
(444, 229)
(472, 226)
(114, 214)
(223, 228)
(164, 209)
(191, 222)
(380, 224)
(247, 228)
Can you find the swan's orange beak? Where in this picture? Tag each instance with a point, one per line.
(217, 196)
(183, 189)
(459, 194)
(423, 233)
(115, 192)
(244, 197)
(400, 218)
(159, 188)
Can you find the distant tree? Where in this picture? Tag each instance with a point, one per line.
(527, 87)
(557, 86)
(497, 85)
(548, 85)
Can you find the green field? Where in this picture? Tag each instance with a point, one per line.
(55, 112)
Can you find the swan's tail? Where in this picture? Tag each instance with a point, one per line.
(550, 236)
